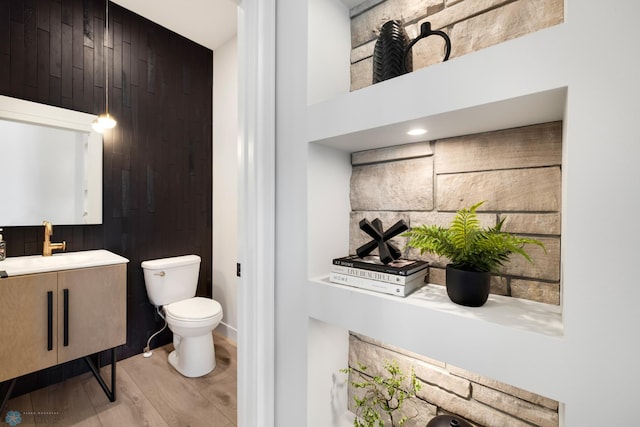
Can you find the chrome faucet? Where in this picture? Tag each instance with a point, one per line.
(47, 247)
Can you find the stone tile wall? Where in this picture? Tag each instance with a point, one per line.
(516, 171)
(470, 24)
(450, 390)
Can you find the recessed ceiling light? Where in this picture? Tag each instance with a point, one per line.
(416, 132)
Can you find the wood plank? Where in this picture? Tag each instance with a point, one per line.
(23, 405)
(131, 407)
(220, 387)
(65, 404)
(175, 397)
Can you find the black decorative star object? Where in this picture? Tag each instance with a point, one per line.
(387, 250)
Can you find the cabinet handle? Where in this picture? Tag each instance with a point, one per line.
(49, 320)
(66, 318)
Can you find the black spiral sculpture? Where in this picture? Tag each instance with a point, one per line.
(389, 53)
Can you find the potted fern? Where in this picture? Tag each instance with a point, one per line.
(474, 253)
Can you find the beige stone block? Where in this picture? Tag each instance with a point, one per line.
(405, 185)
(361, 74)
(364, 51)
(532, 223)
(535, 189)
(363, 7)
(524, 147)
(499, 286)
(444, 219)
(392, 153)
(357, 237)
(366, 26)
(548, 293)
(537, 415)
(505, 388)
(374, 357)
(505, 23)
(469, 409)
(399, 350)
(437, 276)
(544, 267)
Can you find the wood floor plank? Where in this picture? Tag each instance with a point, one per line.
(220, 387)
(131, 407)
(64, 404)
(175, 397)
(23, 405)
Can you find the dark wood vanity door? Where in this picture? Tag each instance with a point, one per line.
(28, 324)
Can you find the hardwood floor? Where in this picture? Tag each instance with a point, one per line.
(149, 393)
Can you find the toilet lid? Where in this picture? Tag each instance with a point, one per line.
(197, 308)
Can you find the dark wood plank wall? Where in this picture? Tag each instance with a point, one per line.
(157, 161)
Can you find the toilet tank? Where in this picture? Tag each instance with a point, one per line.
(171, 279)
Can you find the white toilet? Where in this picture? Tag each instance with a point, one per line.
(171, 283)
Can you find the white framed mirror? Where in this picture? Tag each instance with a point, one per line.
(50, 165)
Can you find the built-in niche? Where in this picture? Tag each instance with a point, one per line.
(471, 26)
(517, 172)
(447, 389)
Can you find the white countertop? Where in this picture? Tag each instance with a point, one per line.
(16, 266)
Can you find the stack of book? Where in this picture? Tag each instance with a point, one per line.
(399, 277)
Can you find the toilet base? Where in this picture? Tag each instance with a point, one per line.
(193, 356)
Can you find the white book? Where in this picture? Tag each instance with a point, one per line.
(380, 276)
(377, 286)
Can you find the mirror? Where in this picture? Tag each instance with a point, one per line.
(50, 165)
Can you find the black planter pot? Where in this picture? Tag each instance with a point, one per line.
(468, 288)
(448, 421)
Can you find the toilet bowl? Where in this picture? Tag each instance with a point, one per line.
(192, 321)
(171, 283)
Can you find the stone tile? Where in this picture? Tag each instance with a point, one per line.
(399, 350)
(361, 74)
(548, 293)
(524, 147)
(536, 189)
(405, 185)
(373, 357)
(469, 409)
(505, 388)
(505, 23)
(393, 153)
(532, 223)
(537, 415)
(544, 267)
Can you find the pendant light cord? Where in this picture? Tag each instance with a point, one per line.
(106, 57)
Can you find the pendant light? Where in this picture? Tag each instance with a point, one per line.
(105, 121)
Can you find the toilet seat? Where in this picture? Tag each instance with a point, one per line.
(196, 309)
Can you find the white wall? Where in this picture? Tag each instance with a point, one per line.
(596, 370)
(225, 185)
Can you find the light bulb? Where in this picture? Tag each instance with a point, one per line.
(416, 132)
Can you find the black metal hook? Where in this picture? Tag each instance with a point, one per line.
(426, 31)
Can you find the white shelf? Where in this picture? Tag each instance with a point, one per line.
(512, 313)
(479, 92)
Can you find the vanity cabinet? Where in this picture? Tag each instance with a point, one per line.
(51, 318)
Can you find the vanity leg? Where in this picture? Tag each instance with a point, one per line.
(111, 394)
(6, 395)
